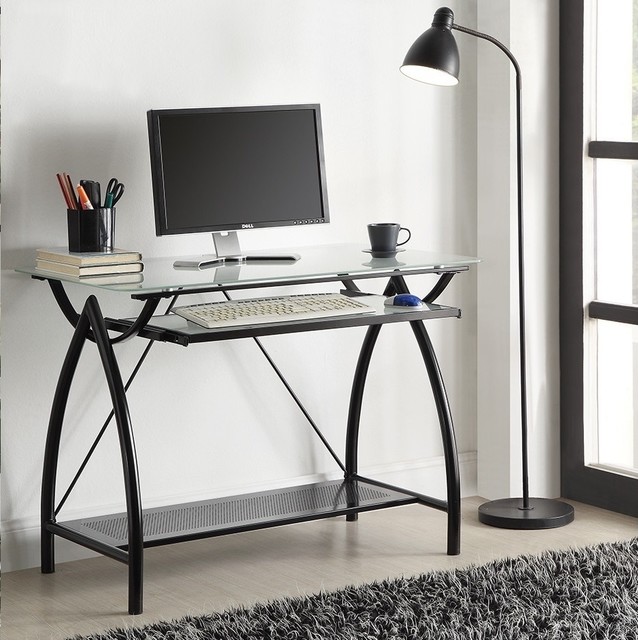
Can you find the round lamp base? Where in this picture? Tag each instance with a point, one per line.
(509, 513)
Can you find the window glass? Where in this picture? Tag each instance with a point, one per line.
(617, 396)
(611, 434)
(615, 70)
(616, 231)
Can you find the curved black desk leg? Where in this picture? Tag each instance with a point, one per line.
(448, 436)
(356, 398)
(52, 447)
(91, 320)
(453, 479)
(397, 284)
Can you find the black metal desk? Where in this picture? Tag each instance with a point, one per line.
(124, 536)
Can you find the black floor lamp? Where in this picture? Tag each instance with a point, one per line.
(434, 58)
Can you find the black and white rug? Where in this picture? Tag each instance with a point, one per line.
(589, 593)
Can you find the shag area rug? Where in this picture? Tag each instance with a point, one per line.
(585, 593)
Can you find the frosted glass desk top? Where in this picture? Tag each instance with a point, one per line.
(317, 264)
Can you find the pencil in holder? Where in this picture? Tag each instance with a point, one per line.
(91, 230)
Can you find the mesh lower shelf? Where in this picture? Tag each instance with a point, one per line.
(243, 512)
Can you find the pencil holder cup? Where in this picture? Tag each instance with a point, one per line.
(91, 230)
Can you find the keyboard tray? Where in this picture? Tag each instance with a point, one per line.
(174, 329)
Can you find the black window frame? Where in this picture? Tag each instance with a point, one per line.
(586, 484)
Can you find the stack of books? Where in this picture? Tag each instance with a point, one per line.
(119, 263)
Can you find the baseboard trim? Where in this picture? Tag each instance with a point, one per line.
(21, 538)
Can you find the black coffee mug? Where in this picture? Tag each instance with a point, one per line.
(384, 236)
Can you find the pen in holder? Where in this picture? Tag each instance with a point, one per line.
(91, 230)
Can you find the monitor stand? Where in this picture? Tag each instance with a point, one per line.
(227, 247)
(227, 251)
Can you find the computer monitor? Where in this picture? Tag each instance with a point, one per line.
(221, 170)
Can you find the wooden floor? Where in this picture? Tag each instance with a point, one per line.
(208, 575)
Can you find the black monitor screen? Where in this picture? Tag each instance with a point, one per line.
(237, 168)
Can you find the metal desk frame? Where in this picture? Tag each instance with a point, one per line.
(349, 497)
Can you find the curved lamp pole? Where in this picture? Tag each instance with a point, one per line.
(434, 58)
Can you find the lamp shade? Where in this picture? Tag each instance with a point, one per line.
(434, 56)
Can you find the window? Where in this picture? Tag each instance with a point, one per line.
(599, 251)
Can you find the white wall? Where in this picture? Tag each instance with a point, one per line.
(77, 79)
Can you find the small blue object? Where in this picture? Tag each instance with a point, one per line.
(403, 300)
